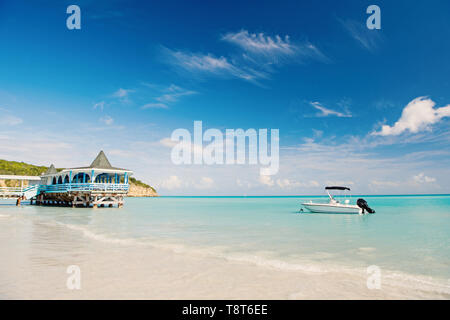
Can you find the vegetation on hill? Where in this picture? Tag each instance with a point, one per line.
(25, 169)
(20, 168)
(141, 184)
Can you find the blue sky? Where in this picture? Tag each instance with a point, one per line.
(135, 72)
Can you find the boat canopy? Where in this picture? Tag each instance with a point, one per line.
(337, 188)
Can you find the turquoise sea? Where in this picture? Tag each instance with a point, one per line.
(407, 238)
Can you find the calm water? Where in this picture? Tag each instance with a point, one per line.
(408, 236)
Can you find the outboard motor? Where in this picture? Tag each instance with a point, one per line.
(364, 206)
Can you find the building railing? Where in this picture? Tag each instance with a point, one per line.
(11, 190)
(99, 187)
(32, 191)
(27, 192)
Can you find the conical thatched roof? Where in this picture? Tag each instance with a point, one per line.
(51, 170)
(101, 162)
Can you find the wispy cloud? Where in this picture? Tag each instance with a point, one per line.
(422, 178)
(325, 112)
(107, 120)
(368, 39)
(167, 96)
(155, 106)
(173, 182)
(290, 184)
(260, 43)
(258, 57)
(274, 48)
(99, 105)
(208, 64)
(174, 93)
(418, 115)
(266, 180)
(204, 183)
(416, 180)
(369, 167)
(123, 95)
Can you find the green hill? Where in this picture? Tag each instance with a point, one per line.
(21, 168)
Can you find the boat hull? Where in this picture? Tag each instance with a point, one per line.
(332, 208)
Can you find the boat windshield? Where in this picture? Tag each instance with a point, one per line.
(341, 196)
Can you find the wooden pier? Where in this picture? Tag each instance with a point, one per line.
(80, 199)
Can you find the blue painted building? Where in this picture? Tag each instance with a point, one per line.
(99, 184)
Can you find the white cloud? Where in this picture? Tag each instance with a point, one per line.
(422, 178)
(99, 105)
(289, 184)
(416, 180)
(275, 48)
(174, 93)
(107, 120)
(10, 120)
(168, 96)
(121, 93)
(266, 180)
(201, 62)
(417, 116)
(167, 142)
(325, 112)
(173, 182)
(260, 43)
(205, 64)
(369, 39)
(345, 183)
(284, 183)
(155, 106)
(204, 183)
(196, 149)
(258, 57)
(243, 183)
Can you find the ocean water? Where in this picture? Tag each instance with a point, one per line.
(408, 237)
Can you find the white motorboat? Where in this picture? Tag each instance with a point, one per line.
(335, 206)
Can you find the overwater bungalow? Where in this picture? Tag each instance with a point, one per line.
(99, 184)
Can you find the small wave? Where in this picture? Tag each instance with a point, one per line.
(390, 278)
(275, 263)
(103, 238)
(424, 283)
(216, 252)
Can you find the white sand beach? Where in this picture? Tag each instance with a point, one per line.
(35, 257)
